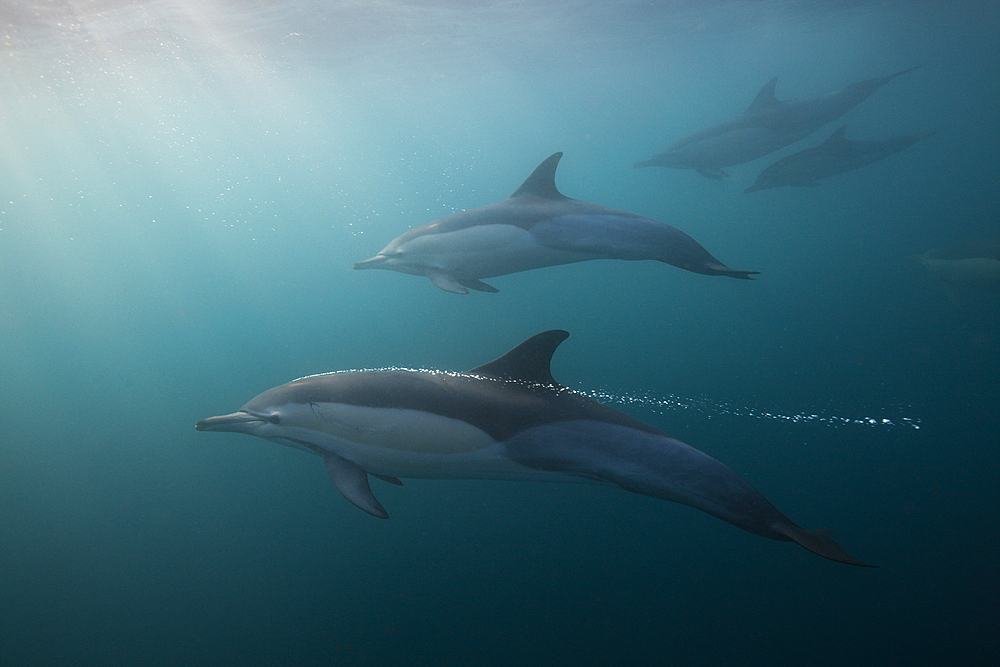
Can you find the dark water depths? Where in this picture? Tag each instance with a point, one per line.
(184, 187)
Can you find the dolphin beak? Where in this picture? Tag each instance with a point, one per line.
(372, 263)
(238, 422)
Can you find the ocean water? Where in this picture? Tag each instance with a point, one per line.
(184, 187)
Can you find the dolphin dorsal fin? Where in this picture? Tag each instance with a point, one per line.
(765, 98)
(542, 182)
(528, 362)
(838, 136)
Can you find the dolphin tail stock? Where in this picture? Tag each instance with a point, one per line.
(818, 542)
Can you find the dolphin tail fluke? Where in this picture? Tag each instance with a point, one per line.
(651, 162)
(818, 542)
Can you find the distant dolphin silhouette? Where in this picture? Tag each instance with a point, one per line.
(766, 126)
(506, 419)
(834, 156)
(535, 227)
(974, 264)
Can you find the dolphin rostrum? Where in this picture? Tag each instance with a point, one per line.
(506, 419)
(535, 227)
(834, 156)
(766, 126)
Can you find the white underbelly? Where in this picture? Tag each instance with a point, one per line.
(401, 442)
(484, 251)
(488, 463)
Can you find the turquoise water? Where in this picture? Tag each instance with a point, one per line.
(184, 188)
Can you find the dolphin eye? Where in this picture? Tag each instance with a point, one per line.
(274, 419)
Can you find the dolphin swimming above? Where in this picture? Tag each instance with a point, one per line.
(834, 156)
(766, 126)
(506, 419)
(535, 227)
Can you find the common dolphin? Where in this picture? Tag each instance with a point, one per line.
(834, 156)
(506, 419)
(536, 226)
(766, 126)
(971, 264)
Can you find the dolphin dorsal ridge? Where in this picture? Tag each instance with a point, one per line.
(838, 136)
(542, 182)
(528, 362)
(765, 98)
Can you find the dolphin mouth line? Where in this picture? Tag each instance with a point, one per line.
(236, 421)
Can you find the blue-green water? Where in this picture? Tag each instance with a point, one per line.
(184, 187)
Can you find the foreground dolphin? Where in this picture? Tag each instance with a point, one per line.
(535, 227)
(507, 419)
(766, 126)
(973, 264)
(834, 156)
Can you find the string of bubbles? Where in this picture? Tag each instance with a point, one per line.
(660, 403)
(711, 408)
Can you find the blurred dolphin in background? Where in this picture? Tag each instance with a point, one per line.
(836, 155)
(767, 125)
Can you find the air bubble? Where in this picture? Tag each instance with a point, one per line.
(710, 407)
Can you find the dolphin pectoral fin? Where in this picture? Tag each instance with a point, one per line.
(445, 281)
(818, 542)
(478, 285)
(713, 173)
(387, 478)
(352, 482)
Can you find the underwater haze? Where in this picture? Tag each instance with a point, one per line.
(186, 184)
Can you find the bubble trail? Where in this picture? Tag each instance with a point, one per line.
(660, 403)
(711, 408)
